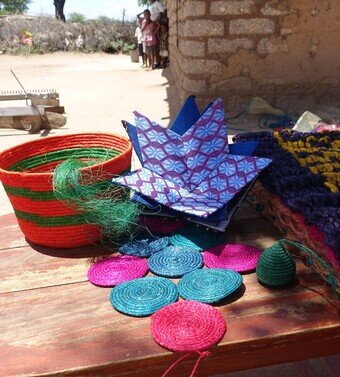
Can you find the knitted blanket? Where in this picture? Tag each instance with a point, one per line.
(305, 175)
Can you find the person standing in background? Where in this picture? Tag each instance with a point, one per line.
(149, 30)
(139, 36)
(156, 10)
(163, 39)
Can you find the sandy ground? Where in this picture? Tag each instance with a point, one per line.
(97, 90)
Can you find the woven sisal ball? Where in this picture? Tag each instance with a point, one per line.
(276, 267)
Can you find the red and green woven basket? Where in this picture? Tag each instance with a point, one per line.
(26, 172)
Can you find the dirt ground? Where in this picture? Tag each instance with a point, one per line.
(97, 90)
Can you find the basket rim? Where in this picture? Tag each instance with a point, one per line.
(46, 174)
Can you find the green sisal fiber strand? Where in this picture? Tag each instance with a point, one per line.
(99, 203)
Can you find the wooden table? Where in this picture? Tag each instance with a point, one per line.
(53, 322)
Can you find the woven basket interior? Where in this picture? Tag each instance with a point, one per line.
(42, 156)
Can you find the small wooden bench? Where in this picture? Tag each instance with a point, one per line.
(55, 323)
(44, 111)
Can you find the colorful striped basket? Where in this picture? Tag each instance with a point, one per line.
(26, 172)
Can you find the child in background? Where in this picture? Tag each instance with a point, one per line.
(163, 39)
(139, 36)
(149, 30)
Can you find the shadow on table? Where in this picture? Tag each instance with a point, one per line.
(95, 252)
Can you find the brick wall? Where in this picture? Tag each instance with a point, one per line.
(282, 50)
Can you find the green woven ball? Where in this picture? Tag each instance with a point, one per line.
(276, 267)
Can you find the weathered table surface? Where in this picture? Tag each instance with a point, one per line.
(54, 322)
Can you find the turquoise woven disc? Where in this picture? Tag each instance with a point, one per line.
(196, 238)
(175, 261)
(144, 247)
(142, 297)
(209, 285)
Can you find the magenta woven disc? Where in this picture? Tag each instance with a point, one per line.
(163, 225)
(118, 269)
(238, 257)
(187, 326)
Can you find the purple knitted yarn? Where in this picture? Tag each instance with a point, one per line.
(299, 188)
(115, 270)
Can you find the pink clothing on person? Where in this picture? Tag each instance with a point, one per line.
(149, 34)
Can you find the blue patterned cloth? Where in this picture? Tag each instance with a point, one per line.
(192, 173)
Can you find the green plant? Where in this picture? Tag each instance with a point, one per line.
(115, 46)
(76, 17)
(14, 6)
(127, 47)
(104, 19)
(36, 49)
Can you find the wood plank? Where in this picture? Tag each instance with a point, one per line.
(10, 234)
(18, 111)
(54, 323)
(73, 327)
(14, 97)
(43, 267)
(28, 96)
(55, 109)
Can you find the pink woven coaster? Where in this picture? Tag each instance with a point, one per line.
(115, 270)
(238, 257)
(163, 225)
(187, 326)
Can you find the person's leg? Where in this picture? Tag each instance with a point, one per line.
(140, 52)
(164, 55)
(163, 62)
(155, 51)
(157, 58)
(151, 60)
(145, 55)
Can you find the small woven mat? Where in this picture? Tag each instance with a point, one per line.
(188, 326)
(116, 270)
(163, 225)
(237, 257)
(175, 261)
(142, 297)
(196, 238)
(209, 285)
(144, 247)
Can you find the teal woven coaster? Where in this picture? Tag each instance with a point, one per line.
(142, 297)
(196, 238)
(175, 261)
(209, 285)
(144, 247)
